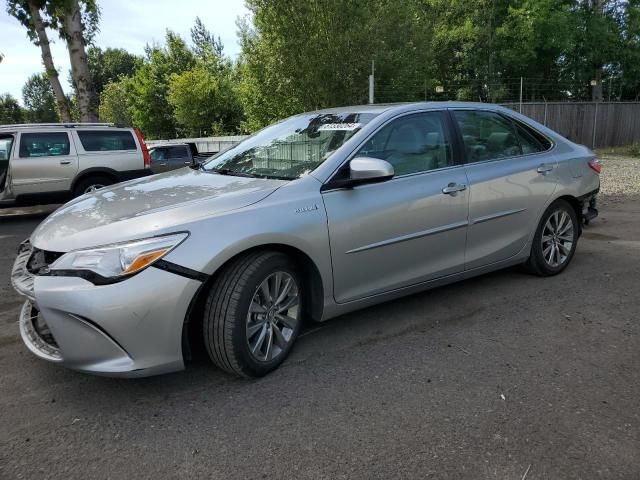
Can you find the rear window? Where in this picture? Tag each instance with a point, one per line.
(178, 152)
(104, 141)
(47, 144)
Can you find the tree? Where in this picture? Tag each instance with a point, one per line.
(306, 55)
(147, 91)
(10, 111)
(39, 100)
(204, 100)
(77, 23)
(204, 43)
(110, 65)
(114, 105)
(28, 12)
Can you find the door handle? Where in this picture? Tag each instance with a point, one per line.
(65, 162)
(545, 168)
(453, 189)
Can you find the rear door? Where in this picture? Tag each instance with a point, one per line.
(44, 162)
(406, 230)
(511, 176)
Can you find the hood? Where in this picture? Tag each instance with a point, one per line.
(146, 207)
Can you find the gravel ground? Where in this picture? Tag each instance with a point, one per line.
(620, 177)
(504, 376)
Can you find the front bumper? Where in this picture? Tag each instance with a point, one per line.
(131, 328)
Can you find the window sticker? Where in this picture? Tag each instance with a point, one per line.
(340, 126)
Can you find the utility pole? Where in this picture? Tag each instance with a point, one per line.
(371, 81)
(521, 82)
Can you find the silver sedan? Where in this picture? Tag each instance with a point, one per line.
(315, 216)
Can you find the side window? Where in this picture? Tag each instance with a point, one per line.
(415, 143)
(106, 140)
(158, 153)
(486, 135)
(47, 144)
(530, 140)
(177, 152)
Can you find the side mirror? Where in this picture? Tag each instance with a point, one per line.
(367, 169)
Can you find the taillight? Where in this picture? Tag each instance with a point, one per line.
(595, 165)
(143, 147)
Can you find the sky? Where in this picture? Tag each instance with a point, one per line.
(128, 24)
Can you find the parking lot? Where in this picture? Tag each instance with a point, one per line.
(504, 376)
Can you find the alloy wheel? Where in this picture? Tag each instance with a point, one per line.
(557, 238)
(274, 314)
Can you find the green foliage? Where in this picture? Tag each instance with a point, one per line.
(204, 42)
(148, 89)
(114, 104)
(204, 100)
(304, 55)
(39, 100)
(109, 65)
(10, 110)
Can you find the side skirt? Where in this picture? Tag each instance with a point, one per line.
(334, 309)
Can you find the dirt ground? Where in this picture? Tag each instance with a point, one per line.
(495, 377)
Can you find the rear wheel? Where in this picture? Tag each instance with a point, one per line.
(253, 314)
(91, 184)
(555, 241)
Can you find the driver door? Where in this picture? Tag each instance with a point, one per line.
(404, 231)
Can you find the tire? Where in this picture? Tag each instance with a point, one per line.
(553, 253)
(85, 185)
(232, 332)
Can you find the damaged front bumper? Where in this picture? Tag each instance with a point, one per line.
(130, 328)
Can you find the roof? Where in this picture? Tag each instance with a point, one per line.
(378, 108)
(55, 125)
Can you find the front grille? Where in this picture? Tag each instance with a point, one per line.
(40, 260)
(29, 263)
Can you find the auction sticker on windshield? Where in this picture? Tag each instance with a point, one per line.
(340, 126)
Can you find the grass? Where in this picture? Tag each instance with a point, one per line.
(628, 151)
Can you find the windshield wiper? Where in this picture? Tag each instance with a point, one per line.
(233, 173)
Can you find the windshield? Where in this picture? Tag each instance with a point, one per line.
(291, 148)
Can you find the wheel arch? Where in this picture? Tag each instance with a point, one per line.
(576, 205)
(192, 327)
(95, 172)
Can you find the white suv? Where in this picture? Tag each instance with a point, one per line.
(47, 163)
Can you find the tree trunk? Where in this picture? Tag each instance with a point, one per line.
(73, 33)
(47, 60)
(596, 92)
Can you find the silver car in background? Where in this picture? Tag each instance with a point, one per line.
(315, 216)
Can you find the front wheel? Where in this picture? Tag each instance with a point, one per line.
(253, 314)
(555, 241)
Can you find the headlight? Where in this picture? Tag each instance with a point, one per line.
(119, 259)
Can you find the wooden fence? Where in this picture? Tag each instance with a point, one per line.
(597, 125)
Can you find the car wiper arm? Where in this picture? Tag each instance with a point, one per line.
(233, 173)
